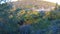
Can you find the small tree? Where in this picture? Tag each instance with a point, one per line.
(59, 8)
(56, 7)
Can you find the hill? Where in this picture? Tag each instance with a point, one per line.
(31, 3)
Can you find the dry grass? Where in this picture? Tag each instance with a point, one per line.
(32, 3)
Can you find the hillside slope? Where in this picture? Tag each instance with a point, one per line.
(31, 3)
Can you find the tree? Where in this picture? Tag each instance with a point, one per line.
(56, 7)
(4, 1)
(5, 12)
(59, 8)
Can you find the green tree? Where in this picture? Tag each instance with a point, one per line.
(56, 6)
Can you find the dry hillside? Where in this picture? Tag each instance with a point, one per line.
(31, 3)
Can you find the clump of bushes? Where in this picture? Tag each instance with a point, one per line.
(40, 21)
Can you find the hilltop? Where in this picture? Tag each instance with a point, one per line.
(33, 3)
